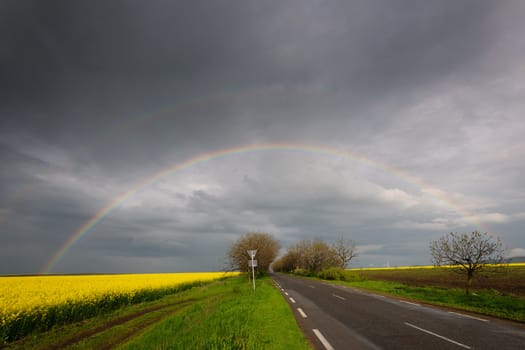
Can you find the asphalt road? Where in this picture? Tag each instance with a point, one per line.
(337, 317)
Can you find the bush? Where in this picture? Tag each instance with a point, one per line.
(353, 276)
(303, 272)
(338, 274)
(332, 274)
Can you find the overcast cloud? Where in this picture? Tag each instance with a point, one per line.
(425, 98)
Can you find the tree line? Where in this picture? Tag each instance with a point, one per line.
(467, 254)
(316, 255)
(309, 255)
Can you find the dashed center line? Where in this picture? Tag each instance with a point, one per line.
(437, 335)
(301, 312)
(292, 300)
(338, 297)
(323, 340)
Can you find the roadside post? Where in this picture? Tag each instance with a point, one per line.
(252, 263)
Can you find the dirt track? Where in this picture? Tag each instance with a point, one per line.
(162, 310)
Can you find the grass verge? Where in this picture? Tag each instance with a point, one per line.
(487, 302)
(235, 318)
(506, 279)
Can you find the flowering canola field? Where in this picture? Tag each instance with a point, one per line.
(36, 303)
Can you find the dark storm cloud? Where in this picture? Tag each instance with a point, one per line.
(65, 59)
(97, 96)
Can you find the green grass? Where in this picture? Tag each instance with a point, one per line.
(225, 314)
(505, 279)
(236, 318)
(486, 301)
(497, 291)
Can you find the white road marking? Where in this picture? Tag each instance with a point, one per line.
(302, 312)
(311, 286)
(339, 297)
(293, 301)
(323, 340)
(285, 293)
(437, 335)
(476, 318)
(408, 302)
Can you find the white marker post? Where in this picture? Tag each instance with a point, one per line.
(252, 263)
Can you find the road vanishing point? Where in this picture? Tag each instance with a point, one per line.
(338, 317)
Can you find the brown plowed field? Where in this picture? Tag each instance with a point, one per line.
(506, 280)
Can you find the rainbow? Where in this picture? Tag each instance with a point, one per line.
(320, 149)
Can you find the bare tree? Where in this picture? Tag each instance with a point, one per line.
(345, 251)
(267, 248)
(467, 253)
(318, 256)
(311, 255)
(290, 261)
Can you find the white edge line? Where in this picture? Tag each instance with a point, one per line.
(293, 301)
(476, 318)
(437, 335)
(323, 340)
(408, 302)
(339, 297)
(285, 293)
(302, 312)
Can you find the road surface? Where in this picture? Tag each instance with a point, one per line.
(337, 317)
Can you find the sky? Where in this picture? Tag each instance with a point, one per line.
(147, 136)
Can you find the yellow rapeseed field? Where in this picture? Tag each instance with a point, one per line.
(39, 302)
